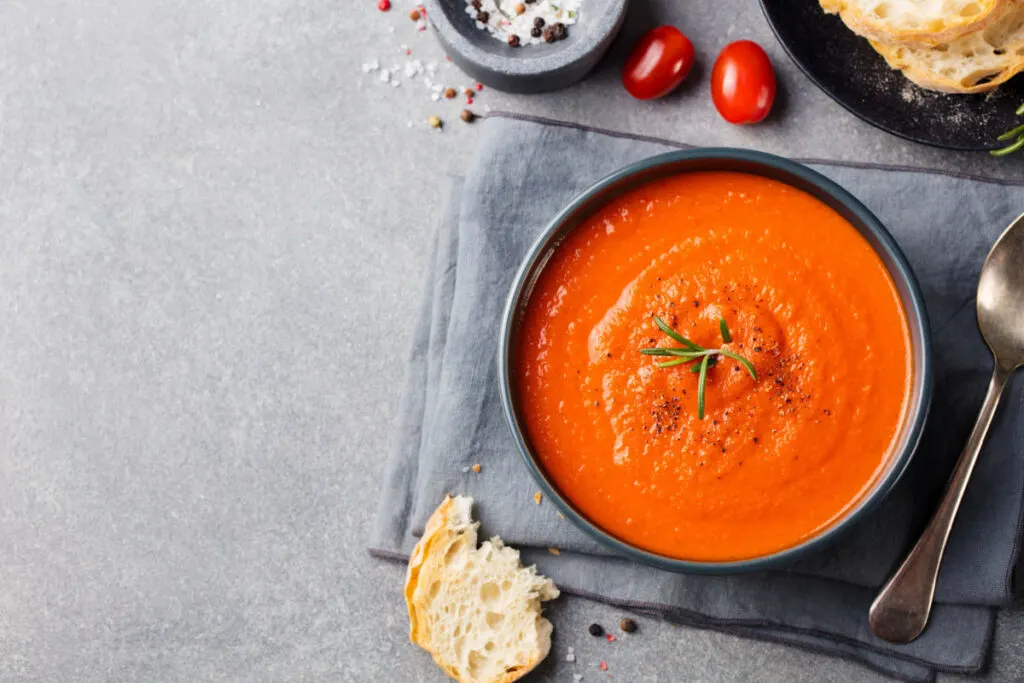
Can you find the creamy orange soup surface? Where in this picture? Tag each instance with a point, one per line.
(775, 460)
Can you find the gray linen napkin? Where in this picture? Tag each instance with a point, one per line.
(450, 417)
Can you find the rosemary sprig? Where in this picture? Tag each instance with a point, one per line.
(1016, 135)
(702, 359)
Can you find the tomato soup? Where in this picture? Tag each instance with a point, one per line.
(775, 460)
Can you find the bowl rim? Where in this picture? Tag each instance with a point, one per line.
(897, 266)
(523, 63)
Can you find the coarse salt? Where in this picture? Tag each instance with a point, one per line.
(502, 20)
(385, 75)
(577, 677)
(570, 657)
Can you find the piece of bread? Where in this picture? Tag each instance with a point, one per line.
(976, 63)
(476, 611)
(921, 23)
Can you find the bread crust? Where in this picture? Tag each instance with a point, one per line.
(876, 29)
(989, 58)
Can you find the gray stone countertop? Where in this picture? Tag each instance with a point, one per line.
(213, 226)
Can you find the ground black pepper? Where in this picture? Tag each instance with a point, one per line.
(539, 23)
(536, 32)
(513, 40)
(483, 17)
(596, 630)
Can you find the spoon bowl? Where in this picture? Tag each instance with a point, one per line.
(901, 610)
(1001, 297)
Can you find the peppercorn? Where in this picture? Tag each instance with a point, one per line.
(414, 15)
(555, 32)
(467, 116)
(450, 93)
(538, 22)
(520, 8)
(513, 40)
(434, 122)
(476, 4)
(483, 17)
(536, 32)
(628, 625)
(468, 92)
(596, 630)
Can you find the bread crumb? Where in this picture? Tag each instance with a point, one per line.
(537, 497)
(554, 551)
(476, 468)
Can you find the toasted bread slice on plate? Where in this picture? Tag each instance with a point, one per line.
(921, 23)
(477, 611)
(976, 63)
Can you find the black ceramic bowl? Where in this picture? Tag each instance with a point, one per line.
(769, 166)
(532, 68)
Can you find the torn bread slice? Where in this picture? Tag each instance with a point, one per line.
(477, 611)
(916, 22)
(976, 63)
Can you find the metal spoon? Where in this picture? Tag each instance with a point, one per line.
(900, 612)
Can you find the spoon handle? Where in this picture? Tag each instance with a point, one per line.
(900, 612)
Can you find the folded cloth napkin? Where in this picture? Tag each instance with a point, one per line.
(450, 416)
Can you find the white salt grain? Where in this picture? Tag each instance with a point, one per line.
(577, 677)
(385, 75)
(570, 657)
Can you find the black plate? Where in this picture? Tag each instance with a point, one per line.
(854, 75)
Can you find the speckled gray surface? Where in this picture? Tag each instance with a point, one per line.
(213, 227)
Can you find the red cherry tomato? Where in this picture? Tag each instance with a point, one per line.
(660, 61)
(743, 83)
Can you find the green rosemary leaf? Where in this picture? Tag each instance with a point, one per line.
(740, 359)
(712, 362)
(680, 353)
(663, 326)
(1010, 149)
(701, 385)
(670, 363)
(1011, 134)
(724, 329)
